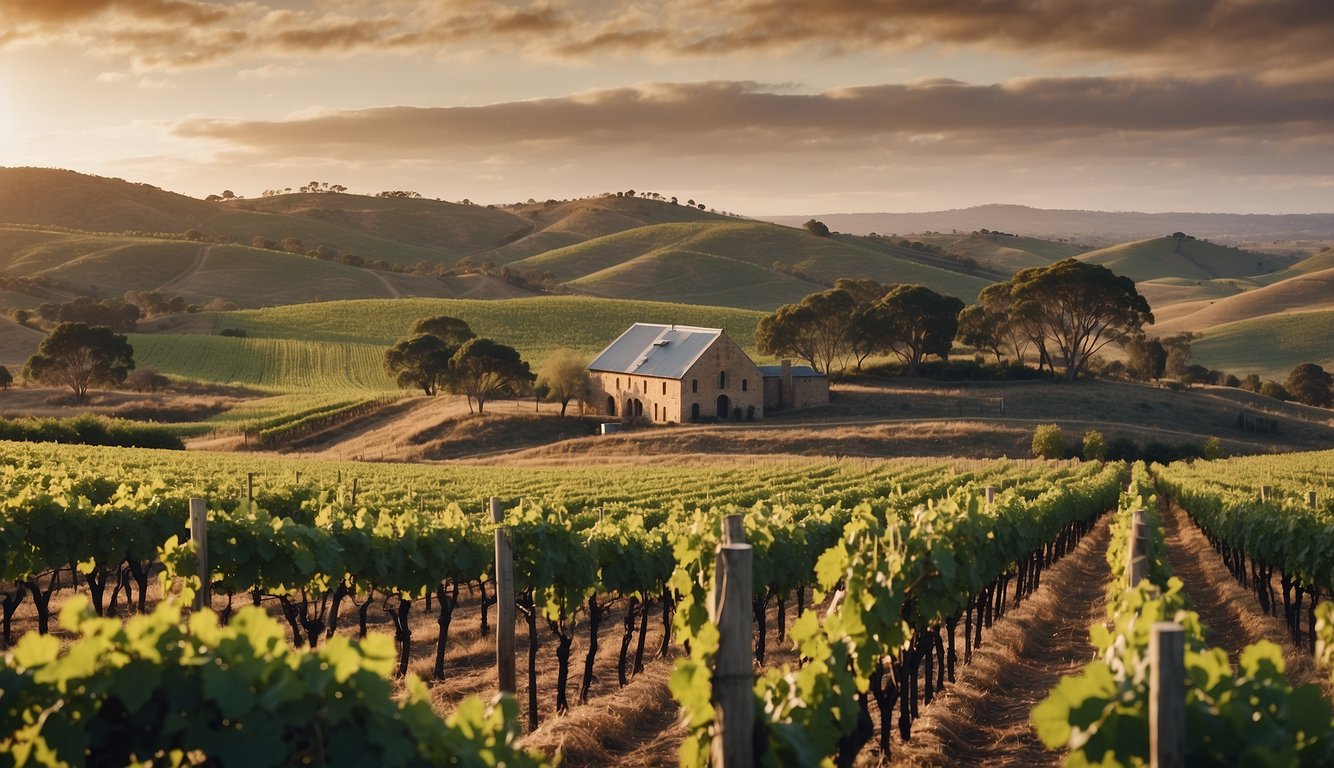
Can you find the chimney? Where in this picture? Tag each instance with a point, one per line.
(787, 395)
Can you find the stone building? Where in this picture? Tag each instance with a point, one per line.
(677, 373)
(793, 386)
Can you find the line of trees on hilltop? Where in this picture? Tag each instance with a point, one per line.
(1066, 312)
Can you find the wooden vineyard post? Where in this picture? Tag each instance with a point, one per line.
(1167, 696)
(1266, 493)
(298, 477)
(354, 491)
(1137, 563)
(734, 529)
(250, 486)
(733, 675)
(1311, 500)
(199, 535)
(505, 671)
(991, 495)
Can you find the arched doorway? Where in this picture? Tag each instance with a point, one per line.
(611, 405)
(724, 407)
(639, 407)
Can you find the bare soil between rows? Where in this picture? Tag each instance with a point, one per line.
(983, 719)
(1231, 614)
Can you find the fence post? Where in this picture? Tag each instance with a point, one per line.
(734, 529)
(199, 535)
(733, 675)
(1167, 696)
(1137, 560)
(505, 673)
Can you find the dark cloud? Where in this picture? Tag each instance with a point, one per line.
(1091, 115)
(52, 12)
(1282, 38)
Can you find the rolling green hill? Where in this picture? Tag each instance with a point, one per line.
(759, 246)
(1270, 346)
(452, 229)
(1186, 258)
(703, 277)
(109, 265)
(1003, 252)
(1302, 293)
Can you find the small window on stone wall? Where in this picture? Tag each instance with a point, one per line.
(694, 385)
(664, 387)
(722, 379)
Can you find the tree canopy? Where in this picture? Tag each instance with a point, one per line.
(814, 330)
(450, 330)
(1310, 384)
(1079, 308)
(421, 361)
(482, 369)
(913, 321)
(564, 375)
(80, 356)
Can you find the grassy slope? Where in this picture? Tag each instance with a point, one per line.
(110, 265)
(697, 277)
(451, 229)
(101, 265)
(1192, 259)
(1302, 293)
(338, 345)
(1315, 263)
(78, 201)
(1009, 254)
(1271, 345)
(17, 344)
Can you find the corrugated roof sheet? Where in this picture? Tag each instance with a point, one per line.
(798, 371)
(649, 349)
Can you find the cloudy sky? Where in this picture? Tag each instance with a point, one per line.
(754, 106)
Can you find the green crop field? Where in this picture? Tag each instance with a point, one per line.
(531, 325)
(338, 345)
(280, 364)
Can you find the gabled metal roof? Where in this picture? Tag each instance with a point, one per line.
(649, 349)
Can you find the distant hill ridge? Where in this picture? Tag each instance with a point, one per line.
(1098, 227)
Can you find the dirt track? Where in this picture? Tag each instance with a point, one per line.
(984, 718)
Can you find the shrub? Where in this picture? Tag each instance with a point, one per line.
(1213, 449)
(238, 333)
(1049, 442)
(1095, 447)
(1274, 389)
(90, 430)
(145, 380)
